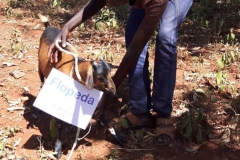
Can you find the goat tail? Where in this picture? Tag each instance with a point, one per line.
(44, 19)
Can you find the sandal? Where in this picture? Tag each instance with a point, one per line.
(130, 121)
(164, 131)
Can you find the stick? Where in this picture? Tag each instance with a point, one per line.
(15, 108)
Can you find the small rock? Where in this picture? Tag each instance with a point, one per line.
(9, 64)
(17, 74)
(25, 90)
(2, 84)
(11, 157)
(20, 158)
(20, 56)
(23, 99)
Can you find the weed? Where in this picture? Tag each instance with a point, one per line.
(224, 17)
(226, 59)
(55, 3)
(121, 12)
(81, 27)
(6, 143)
(16, 44)
(105, 54)
(106, 17)
(191, 128)
(8, 11)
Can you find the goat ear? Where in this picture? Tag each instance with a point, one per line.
(89, 80)
(95, 65)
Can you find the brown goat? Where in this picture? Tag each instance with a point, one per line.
(93, 73)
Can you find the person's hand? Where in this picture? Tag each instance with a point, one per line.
(53, 50)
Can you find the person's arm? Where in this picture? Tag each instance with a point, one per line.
(91, 8)
(153, 13)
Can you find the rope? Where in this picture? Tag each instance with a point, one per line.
(70, 53)
(76, 139)
(79, 78)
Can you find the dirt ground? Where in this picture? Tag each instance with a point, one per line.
(24, 132)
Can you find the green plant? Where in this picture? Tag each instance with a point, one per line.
(121, 11)
(55, 3)
(107, 17)
(191, 128)
(81, 27)
(139, 135)
(186, 130)
(105, 54)
(15, 48)
(226, 15)
(8, 11)
(231, 37)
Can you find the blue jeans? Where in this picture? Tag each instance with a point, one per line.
(164, 63)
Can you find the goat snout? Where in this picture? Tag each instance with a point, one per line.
(111, 88)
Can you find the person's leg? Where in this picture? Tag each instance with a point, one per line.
(139, 85)
(166, 58)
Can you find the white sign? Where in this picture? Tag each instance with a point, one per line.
(68, 100)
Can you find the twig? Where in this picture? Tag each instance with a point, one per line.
(149, 133)
(15, 108)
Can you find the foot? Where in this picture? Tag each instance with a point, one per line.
(164, 131)
(134, 121)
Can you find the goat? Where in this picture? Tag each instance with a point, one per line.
(93, 73)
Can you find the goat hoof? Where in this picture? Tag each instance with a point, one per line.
(120, 140)
(58, 149)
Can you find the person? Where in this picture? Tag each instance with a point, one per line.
(144, 17)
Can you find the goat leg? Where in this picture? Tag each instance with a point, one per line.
(58, 143)
(119, 139)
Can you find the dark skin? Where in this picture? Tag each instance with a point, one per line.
(139, 41)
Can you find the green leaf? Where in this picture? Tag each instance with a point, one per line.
(207, 24)
(114, 23)
(139, 135)
(199, 90)
(108, 24)
(224, 75)
(53, 129)
(232, 36)
(200, 115)
(220, 63)
(123, 122)
(97, 25)
(232, 56)
(219, 77)
(199, 136)
(232, 87)
(222, 87)
(186, 120)
(188, 132)
(54, 3)
(1, 146)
